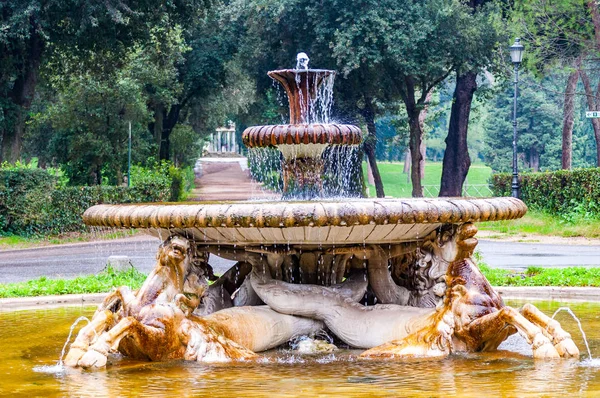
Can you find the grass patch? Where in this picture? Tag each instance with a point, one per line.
(110, 278)
(536, 222)
(100, 283)
(397, 184)
(536, 276)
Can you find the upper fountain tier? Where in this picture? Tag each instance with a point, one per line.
(310, 93)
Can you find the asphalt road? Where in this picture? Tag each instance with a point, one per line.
(516, 255)
(72, 260)
(69, 261)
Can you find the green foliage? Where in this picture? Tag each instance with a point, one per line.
(572, 194)
(539, 118)
(96, 36)
(536, 276)
(185, 145)
(33, 203)
(152, 180)
(88, 121)
(100, 283)
(162, 181)
(24, 196)
(182, 182)
(559, 31)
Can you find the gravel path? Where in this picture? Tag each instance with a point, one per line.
(226, 179)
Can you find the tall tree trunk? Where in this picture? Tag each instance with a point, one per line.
(413, 109)
(592, 103)
(595, 13)
(370, 143)
(416, 138)
(423, 147)
(169, 121)
(534, 159)
(568, 120)
(456, 163)
(155, 127)
(22, 96)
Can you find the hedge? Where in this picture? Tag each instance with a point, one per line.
(558, 192)
(31, 203)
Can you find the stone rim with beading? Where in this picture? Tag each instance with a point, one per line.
(295, 134)
(305, 214)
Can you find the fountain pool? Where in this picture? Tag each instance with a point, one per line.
(33, 339)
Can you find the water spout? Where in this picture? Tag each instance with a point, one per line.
(567, 309)
(62, 354)
(302, 61)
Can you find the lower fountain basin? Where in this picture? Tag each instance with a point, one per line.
(323, 223)
(32, 342)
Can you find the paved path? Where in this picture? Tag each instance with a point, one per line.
(72, 260)
(516, 255)
(226, 179)
(68, 261)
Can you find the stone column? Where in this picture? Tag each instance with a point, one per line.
(219, 141)
(233, 148)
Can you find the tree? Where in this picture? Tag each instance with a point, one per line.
(482, 38)
(32, 31)
(538, 119)
(562, 34)
(88, 119)
(410, 47)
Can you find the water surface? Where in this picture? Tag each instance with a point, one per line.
(31, 342)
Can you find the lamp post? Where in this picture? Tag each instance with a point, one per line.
(129, 158)
(516, 55)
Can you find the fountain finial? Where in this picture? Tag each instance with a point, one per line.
(302, 61)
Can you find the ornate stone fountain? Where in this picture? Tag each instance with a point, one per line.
(392, 275)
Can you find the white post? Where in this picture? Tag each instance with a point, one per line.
(219, 141)
(233, 148)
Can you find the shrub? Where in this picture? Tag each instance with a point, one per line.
(35, 202)
(572, 194)
(25, 196)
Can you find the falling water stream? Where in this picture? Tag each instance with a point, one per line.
(570, 312)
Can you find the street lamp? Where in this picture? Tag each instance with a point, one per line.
(516, 55)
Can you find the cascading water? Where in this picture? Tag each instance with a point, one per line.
(306, 144)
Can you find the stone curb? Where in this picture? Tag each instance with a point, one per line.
(27, 303)
(515, 293)
(550, 293)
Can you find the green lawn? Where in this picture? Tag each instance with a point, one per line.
(109, 278)
(100, 283)
(397, 184)
(537, 276)
(536, 222)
